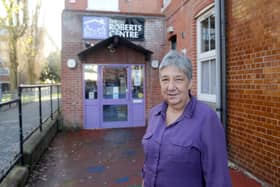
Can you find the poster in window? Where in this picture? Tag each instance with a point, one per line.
(115, 92)
(137, 77)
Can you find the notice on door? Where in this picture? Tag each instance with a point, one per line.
(137, 77)
(115, 92)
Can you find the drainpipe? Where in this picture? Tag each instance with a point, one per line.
(221, 100)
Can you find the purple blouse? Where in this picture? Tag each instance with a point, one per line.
(191, 152)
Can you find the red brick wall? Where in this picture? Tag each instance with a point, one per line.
(4, 78)
(73, 43)
(140, 6)
(71, 79)
(253, 35)
(135, 6)
(78, 5)
(182, 16)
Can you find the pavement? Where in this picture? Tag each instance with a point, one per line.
(9, 129)
(99, 158)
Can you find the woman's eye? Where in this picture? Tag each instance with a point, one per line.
(179, 80)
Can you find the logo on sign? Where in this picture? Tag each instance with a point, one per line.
(102, 27)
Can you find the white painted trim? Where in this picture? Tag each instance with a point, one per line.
(114, 9)
(165, 5)
(205, 13)
(206, 97)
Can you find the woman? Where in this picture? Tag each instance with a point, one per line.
(184, 143)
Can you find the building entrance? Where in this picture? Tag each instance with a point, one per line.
(114, 96)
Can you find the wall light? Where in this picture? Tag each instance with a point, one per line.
(170, 29)
(71, 63)
(154, 63)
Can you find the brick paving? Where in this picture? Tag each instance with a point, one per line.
(99, 158)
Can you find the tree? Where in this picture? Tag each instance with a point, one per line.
(51, 71)
(15, 22)
(32, 42)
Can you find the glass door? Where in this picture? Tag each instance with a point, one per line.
(91, 95)
(115, 91)
(138, 94)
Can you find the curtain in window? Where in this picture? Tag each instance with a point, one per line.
(208, 77)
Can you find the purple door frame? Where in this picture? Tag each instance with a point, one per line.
(125, 101)
(93, 109)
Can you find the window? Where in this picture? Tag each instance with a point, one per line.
(206, 57)
(114, 82)
(166, 3)
(137, 76)
(173, 41)
(4, 87)
(90, 78)
(4, 71)
(110, 5)
(208, 75)
(207, 34)
(113, 113)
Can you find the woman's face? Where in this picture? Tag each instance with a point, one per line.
(174, 86)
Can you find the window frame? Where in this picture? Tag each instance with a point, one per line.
(165, 4)
(90, 7)
(4, 71)
(204, 56)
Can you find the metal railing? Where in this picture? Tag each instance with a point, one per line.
(21, 117)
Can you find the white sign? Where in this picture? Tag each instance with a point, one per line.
(137, 77)
(137, 100)
(115, 92)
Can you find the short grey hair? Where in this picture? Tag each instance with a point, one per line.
(176, 59)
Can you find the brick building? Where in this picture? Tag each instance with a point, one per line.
(118, 98)
(253, 84)
(234, 47)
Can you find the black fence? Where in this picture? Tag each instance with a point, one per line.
(21, 117)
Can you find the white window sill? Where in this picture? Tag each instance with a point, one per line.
(91, 9)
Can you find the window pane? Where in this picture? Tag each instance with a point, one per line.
(115, 113)
(212, 32)
(90, 78)
(114, 82)
(173, 41)
(208, 77)
(204, 36)
(110, 5)
(137, 81)
(205, 77)
(166, 2)
(213, 77)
